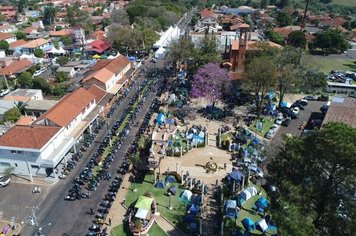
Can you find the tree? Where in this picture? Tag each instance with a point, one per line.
(297, 39)
(49, 15)
(120, 16)
(283, 19)
(25, 80)
(21, 5)
(60, 89)
(210, 82)
(58, 28)
(39, 83)
(313, 80)
(264, 4)
(259, 78)
(149, 36)
(124, 38)
(276, 37)
(38, 53)
(4, 45)
(62, 60)
(331, 40)
(180, 51)
(12, 115)
(66, 40)
(20, 35)
(61, 77)
(316, 174)
(2, 18)
(21, 106)
(135, 159)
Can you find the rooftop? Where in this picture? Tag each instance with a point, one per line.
(69, 107)
(17, 43)
(16, 67)
(114, 65)
(97, 92)
(24, 92)
(40, 105)
(25, 120)
(103, 75)
(35, 43)
(4, 36)
(34, 137)
(59, 33)
(342, 109)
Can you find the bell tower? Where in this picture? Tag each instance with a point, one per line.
(244, 29)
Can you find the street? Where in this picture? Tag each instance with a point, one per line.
(57, 216)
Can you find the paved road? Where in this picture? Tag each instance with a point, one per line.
(57, 216)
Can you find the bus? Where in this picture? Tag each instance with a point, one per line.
(341, 88)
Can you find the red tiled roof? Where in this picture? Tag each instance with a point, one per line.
(207, 13)
(97, 92)
(62, 32)
(283, 31)
(69, 107)
(25, 120)
(103, 75)
(17, 43)
(35, 43)
(114, 65)
(98, 46)
(35, 136)
(16, 67)
(28, 30)
(4, 36)
(253, 45)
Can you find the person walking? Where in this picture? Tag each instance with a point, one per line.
(91, 211)
(109, 221)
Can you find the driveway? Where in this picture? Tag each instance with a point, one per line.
(312, 111)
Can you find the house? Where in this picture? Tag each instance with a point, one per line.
(15, 68)
(25, 120)
(9, 38)
(60, 33)
(34, 33)
(7, 28)
(109, 75)
(38, 107)
(333, 22)
(97, 35)
(70, 71)
(208, 22)
(341, 109)
(24, 95)
(30, 30)
(30, 46)
(97, 47)
(9, 12)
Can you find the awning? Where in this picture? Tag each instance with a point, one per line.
(144, 202)
(141, 213)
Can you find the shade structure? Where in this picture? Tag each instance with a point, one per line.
(248, 224)
(160, 118)
(144, 202)
(96, 56)
(261, 204)
(262, 225)
(173, 190)
(186, 195)
(171, 179)
(141, 213)
(230, 208)
(236, 175)
(160, 184)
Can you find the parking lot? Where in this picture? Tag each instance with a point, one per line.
(311, 112)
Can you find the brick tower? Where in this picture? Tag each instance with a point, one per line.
(244, 29)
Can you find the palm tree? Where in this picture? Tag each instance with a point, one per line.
(21, 106)
(49, 14)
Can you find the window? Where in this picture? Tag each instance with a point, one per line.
(20, 152)
(13, 151)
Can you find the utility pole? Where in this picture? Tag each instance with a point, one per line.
(28, 167)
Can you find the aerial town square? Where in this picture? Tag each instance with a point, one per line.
(177, 117)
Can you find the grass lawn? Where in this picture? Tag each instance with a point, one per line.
(175, 215)
(121, 230)
(267, 124)
(329, 63)
(344, 2)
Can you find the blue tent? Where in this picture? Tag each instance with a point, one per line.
(248, 224)
(160, 184)
(230, 208)
(193, 209)
(236, 176)
(189, 218)
(261, 204)
(270, 95)
(170, 179)
(161, 118)
(186, 196)
(196, 199)
(256, 141)
(173, 190)
(284, 104)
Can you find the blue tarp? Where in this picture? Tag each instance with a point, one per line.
(173, 190)
(236, 175)
(256, 141)
(193, 209)
(270, 95)
(161, 118)
(284, 104)
(230, 209)
(248, 224)
(261, 204)
(160, 184)
(170, 179)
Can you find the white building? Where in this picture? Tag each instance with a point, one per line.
(24, 95)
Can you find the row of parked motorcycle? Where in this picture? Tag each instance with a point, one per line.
(95, 228)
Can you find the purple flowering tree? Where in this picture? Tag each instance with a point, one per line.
(210, 82)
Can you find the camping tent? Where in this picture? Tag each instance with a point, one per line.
(186, 195)
(262, 225)
(261, 204)
(173, 190)
(144, 203)
(189, 218)
(247, 194)
(230, 208)
(193, 209)
(196, 199)
(141, 213)
(160, 184)
(160, 118)
(248, 224)
(170, 179)
(236, 176)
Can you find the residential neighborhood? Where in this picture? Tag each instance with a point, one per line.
(177, 117)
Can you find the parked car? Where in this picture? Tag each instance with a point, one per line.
(298, 105)
(272, 131)
(286, 122)
(38, 72)
(302, 102)
(323, 98)
(3, 92)
(295, 110)
(279, 121)
(257, 171)
(4, 181)
(311, 98)
(154, 60)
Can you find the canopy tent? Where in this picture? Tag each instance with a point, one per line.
(160, 53)
(173, 190)
(193, 209)
(230, 208)
(256, 141)
(170, 179)
(144, 203)
(284, 104)
(247, 194)
(261, 204)
(62, 50)
(236, 176)
(141, 213)
(196, 199)
(186, 195)
(189, 218)
(261, 225)
(248, 224)
(96, 56)
(160, 184)
(161, 118)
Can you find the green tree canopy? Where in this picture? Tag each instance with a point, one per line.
(316, 176)
(66, 40)
(297, 39)
(39, 83)
(25, 80)
(61, 77)
(120, 16)
(20, 35)
(62, 60)
(49, 15)
(276, 37)
(12, 115)
(4, 45)
(60, 89)
(38, 53)
(331, 40)
(283, 19)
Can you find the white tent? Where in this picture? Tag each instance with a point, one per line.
(171, 34)
(62, 51)
(32, 58)
(160, 53)
(54, 50)
(252, 190)
(141, 213)
(187, 195)
(262, 225)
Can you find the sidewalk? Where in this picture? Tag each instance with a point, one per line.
(36, 180)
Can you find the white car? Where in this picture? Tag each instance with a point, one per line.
(4, 180)
(257, 171)
(272, 131)
(38, 72)
(3, 92)
(295, 110)
(279, 121)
